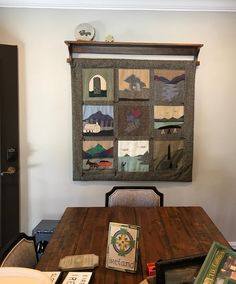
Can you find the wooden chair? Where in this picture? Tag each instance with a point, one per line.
(134, 196)
(19, 252)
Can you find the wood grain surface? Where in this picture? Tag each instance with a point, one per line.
(166, 232)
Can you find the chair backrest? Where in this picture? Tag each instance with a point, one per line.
(134, 196)
(19, 252)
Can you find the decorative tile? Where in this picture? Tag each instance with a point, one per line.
(133, 156)
(168, 155)
(168, 120)
(97, 155)
(169, 86)
(133, 120)
(98, 84)
(98, 120)
(134, 84)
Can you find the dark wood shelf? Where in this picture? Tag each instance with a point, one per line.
(133, 48)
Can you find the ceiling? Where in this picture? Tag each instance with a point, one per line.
(160, 5)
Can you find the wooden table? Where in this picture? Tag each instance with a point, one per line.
(166, 232)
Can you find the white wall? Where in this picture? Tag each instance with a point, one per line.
(45, 107)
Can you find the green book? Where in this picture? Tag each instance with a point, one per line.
(219, 266)
(229, 281)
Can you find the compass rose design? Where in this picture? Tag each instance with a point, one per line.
(122, 242)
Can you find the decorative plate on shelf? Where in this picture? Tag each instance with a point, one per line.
(84, 32)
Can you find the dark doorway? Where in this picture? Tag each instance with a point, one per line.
(9, 144)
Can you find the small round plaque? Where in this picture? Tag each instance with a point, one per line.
(84, 32)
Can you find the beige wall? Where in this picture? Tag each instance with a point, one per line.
(45, 107)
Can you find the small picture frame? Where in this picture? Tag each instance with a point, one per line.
(179, 270)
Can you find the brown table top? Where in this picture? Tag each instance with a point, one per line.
(166, 232)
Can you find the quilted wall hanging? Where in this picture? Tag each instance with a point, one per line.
(132, 119)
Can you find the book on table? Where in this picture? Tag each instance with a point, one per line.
(219, 266)
(122, 247)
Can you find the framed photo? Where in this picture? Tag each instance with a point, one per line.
(179, 270)
(219, 266)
